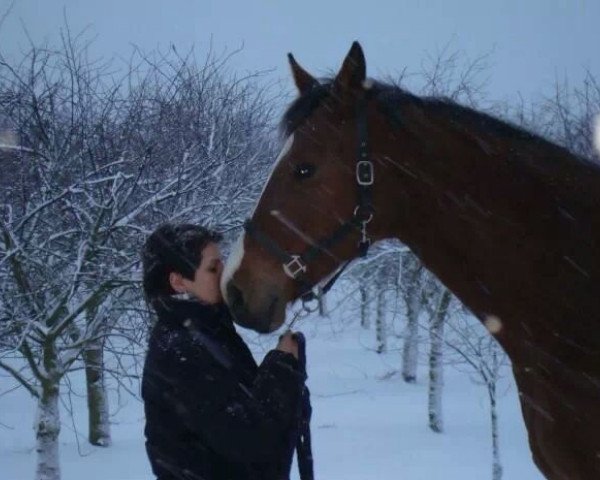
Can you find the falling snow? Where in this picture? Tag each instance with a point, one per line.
(597, 133)
(493, 324)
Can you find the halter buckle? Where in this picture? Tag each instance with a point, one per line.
(294, 267)
(365, 175)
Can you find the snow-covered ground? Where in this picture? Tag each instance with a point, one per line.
(367, 423)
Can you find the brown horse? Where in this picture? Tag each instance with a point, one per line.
(508, 221)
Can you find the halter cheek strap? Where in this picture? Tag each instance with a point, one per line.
(295, 266)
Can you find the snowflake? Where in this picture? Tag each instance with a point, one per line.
(597, 133)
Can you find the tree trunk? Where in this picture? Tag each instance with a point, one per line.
(364, 310)
(412, 273)
(436, 368)
(496, 465)
(322, 304)
(410, 351)
(97, 398)
(47, 429)
(381, 328)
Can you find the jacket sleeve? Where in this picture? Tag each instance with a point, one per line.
(240, 423)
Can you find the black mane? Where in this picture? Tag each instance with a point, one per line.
(392, 97)
(304, 106)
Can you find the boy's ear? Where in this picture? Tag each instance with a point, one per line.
(176, 281)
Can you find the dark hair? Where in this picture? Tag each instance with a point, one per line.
(173, 248)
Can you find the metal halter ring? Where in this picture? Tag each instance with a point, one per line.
(357, 211)
(307, 307)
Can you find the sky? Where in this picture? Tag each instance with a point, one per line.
(530, 44)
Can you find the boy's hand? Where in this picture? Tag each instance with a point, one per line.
(287, 343)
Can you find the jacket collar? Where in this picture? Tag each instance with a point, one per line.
(178, 310)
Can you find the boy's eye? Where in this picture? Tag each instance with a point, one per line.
(215, 267)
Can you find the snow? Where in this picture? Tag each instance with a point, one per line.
(493, 324)
(367, 422)
(15, 148)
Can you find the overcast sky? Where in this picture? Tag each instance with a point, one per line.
(532, 42)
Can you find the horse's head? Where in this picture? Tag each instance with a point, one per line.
(309, 204)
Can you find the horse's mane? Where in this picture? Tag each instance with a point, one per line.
(391, 98)
(303, 106)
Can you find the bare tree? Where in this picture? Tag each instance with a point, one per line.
(567, 117)
(378, 271)
(364, 291)
(411, 288)
(381, 325)
(474, 347)
(102, 159)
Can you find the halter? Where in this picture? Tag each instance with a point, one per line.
(295, 266)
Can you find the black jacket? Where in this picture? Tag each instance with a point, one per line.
(211, 412)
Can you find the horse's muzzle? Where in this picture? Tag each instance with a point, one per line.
(261, 321)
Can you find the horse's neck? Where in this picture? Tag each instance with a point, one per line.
(494, 233)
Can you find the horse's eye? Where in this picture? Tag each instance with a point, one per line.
(304, 170)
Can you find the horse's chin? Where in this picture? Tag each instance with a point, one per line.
(266, 320)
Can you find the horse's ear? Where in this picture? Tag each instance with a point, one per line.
(354, 70)
(304, 80)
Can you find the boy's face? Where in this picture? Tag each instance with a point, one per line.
(205, 286)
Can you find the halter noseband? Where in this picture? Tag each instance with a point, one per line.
(295, 265)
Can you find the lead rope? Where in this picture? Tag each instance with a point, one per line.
(303, 442)
(300, 438)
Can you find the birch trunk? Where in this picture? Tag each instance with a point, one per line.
(436, 368)
(47, 420)
(381, 327)
(97, 398)
(410, 351)
(364, 310)
(496, 465)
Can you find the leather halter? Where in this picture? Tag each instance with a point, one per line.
(295, 266)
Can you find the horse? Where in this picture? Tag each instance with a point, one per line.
(507, 220)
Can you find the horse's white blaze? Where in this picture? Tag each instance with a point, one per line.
(237, 252)
(287, 146)
(233, 263)
(597, 133)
